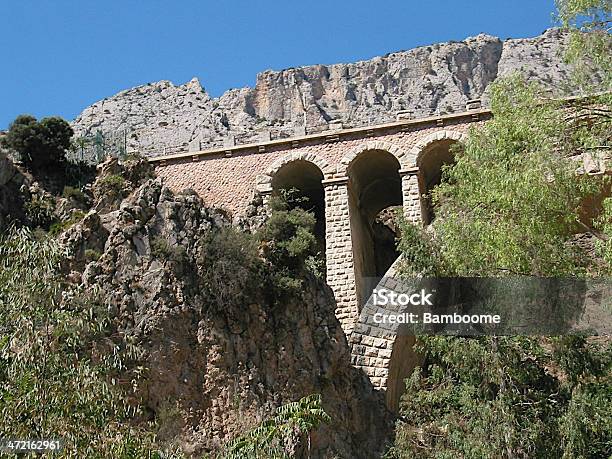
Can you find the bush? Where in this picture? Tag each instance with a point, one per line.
(40, 144)
(74, 194)
(39, 212)
(287, 240)
(58, 367)
(421, 253)
(162, 249)
(604, 224)
(113, 184)
(92, 255)
(284, 435)
(507, 396)
(229, 265)
(59, 227)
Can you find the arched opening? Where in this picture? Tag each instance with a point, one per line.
(306, 178)
(430, 163)
(375, 187)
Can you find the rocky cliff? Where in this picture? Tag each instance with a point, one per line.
(220, 348)
(160, 117)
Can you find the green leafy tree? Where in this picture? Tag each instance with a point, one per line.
(58, 370)
(512, 397)
(590, 47)
(288, 241)
(512, 200)
(509, 206)
(40, 144)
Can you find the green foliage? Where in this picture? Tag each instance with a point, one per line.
(229, 265)
(58, 377)
(40, 144)
(590, 46)
(421, 253)
(39, 212)
(509, 206)
(282, 435)
(112, 185)
(162, 249)
(92, 255)
(493, 397)
(61, 226)
(604, 224)
(287, 240)
(512, 200)
(75, 194)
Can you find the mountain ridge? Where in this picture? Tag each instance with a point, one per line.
(161, 117)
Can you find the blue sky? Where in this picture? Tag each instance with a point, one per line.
(60, 56)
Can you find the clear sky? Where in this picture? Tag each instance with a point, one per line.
(57, 57)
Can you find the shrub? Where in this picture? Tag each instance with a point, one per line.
(604, 224)
(40, 144)
(92, 255)
(229, 264)
(421, 253)
(74, 194)
(112, 184)
(284, 435)
(39, 212)
(287, 240)
(58, 366)
(61, 226)
(162, 249)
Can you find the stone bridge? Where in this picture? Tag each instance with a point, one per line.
(350, 176)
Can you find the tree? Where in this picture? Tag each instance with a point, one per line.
(590, 47)
(288, 241)
(512, 201)
(40, 144)
(511, 397)
(57, 365)
(509, 206)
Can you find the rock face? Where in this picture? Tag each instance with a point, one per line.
(14, 192)
(220, 352)
(162, 118)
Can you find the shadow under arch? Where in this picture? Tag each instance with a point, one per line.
(374, 185)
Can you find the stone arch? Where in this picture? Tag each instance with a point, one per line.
(384, 351)
(348, 158)
(430, 154)
(417, 151)
(304, 172)
(374, 185)
(264, 181)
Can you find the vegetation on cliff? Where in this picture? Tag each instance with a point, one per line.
(60, 371)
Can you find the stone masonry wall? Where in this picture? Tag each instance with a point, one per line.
(230, 178)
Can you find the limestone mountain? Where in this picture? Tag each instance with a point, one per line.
(161, 117)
